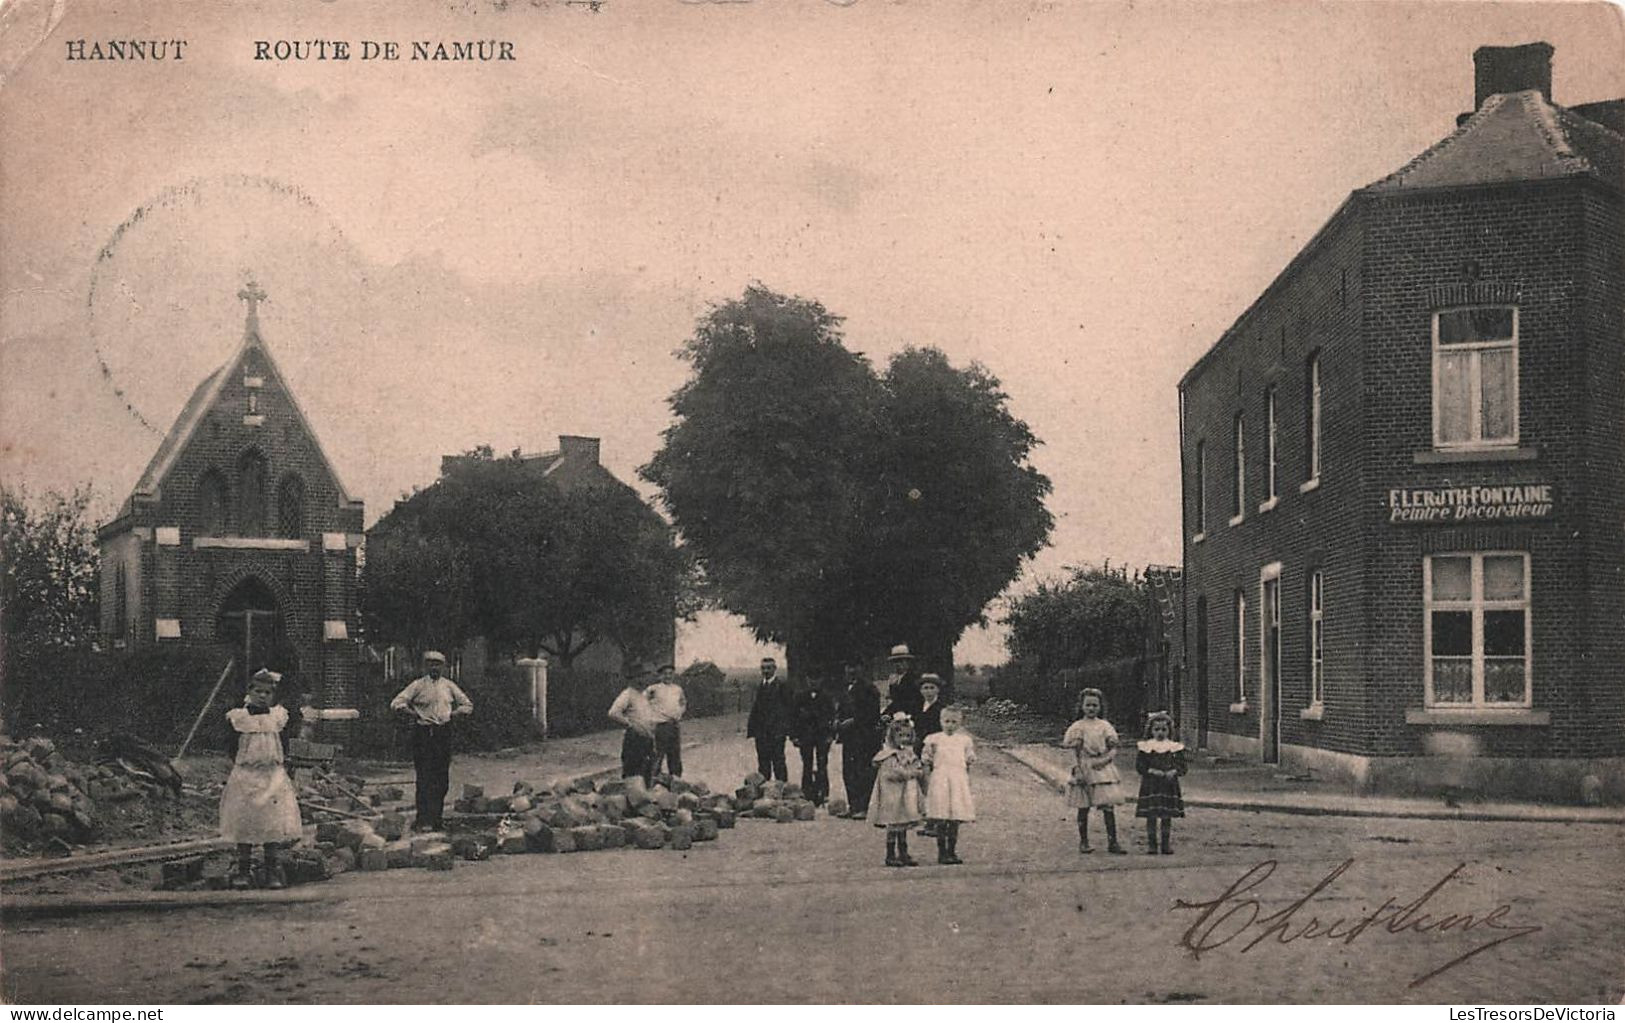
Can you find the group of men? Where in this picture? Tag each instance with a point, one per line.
(651, 707)
(651, 710)
(815, 716)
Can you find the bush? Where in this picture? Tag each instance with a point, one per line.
(1056, 693)
(154, 693)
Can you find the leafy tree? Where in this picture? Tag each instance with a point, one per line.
(52, 587)
(1096, 614)
(836, 510)
(959, 508)
(767, 468)
(495, 549)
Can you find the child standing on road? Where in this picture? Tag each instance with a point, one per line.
(895, 802)
(948, 755)
(259, 805)
(1095, 781)
(1160, 760)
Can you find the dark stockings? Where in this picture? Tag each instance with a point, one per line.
(1151, 834)
(1110, 817)
(897, 848)
(948, 842)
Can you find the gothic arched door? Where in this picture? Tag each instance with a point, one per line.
(250, 623)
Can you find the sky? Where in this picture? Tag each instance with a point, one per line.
(1080, 196)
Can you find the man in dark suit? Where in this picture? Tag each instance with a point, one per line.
(903, 687)
(859, 728)
(769, 722)
(814, 731)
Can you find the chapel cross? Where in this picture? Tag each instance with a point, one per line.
(253, 295)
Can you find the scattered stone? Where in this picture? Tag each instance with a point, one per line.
(838, 808)
(374, 859)
(473, 792)
(682, 837)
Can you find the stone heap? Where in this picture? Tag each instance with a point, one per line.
(45, 797)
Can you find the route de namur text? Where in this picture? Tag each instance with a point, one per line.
(300, 49)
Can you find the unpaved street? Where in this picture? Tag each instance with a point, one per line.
(807, 912)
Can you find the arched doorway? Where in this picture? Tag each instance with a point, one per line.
(249, 621)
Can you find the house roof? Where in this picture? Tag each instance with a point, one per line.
(197, 407)
(1515, 136)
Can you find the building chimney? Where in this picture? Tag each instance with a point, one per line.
(1499, 69)
(579, 449)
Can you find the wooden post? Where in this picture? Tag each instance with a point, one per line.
(206, 704)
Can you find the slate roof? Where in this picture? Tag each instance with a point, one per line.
(1515, 136)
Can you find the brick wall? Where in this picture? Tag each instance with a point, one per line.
(311, 585)
(1363, 294)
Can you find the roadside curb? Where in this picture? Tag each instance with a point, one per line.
(1348, 807)
(35, 907)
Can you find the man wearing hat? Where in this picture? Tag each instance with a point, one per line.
(861, 735)
(632, 711)
(669, 704)
(769, 722)
(431, 701)
(903, 687)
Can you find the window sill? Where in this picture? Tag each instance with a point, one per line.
(1236, 520)
(1269, 505)
(1313, 712)
(1307, 485)
(1452, 456)
(1239, 708)
(1476, 716)
(1198, 538)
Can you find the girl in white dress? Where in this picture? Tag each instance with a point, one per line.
(259, 805)
(948, 755)
(1095, 781)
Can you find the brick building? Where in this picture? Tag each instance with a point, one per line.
(239, 532)
(1404, 471)
(574, 465)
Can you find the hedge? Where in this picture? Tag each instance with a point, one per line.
(1121, 681)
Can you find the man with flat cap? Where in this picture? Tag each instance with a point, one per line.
(769, 722)
(632, 711)
(668, 704)
(431, 701)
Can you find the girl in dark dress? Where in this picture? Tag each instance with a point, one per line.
(1160, 760)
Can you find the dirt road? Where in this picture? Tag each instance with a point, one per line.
(807, 912)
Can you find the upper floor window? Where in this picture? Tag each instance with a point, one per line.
(1200, 485)
(251, 474)
(1238, 486)
(211, 504)
(1312, 424)
(290, 507)
(1477, 629)
(1475, 377)
(1269, 445)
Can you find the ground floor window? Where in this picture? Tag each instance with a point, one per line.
(1317, 660)
(1477, 629)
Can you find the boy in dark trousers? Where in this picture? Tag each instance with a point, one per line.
(815, 730)
(858, 726)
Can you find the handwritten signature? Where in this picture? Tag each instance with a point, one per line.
(1236, 915)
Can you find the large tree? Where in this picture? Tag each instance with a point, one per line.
(495, 549)
(959, 508)
(836, 510)
(52, 589)
(765, 469)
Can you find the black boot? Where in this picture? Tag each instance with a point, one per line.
(891, 849)
(1167, 836)
(942, 845)
(903, 858)
(1111, 833)
(953, 842)
(1083, 832)
(1151, 835)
